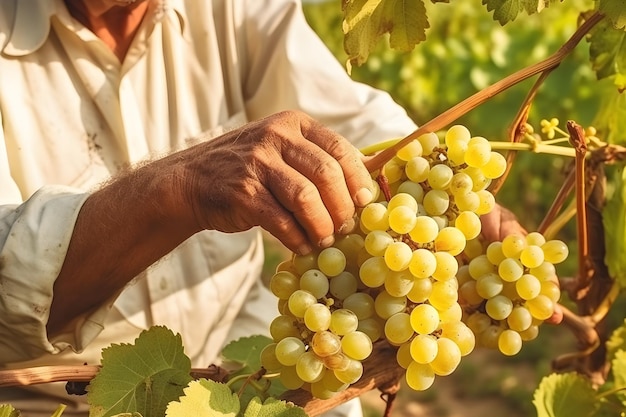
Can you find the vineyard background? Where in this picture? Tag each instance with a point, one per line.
(466, 51)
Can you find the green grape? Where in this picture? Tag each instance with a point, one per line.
(520, 319)
(541, 307)
(357, 345)
(351, 374)
(425, 230)
(436, 202)
(489, 285)
(479, 181)
(461, 334)
(288, 350)
(289, 378)
(551, 290)
(512, 245)
(429, 142)
(480, 266)
(398, 329)
(423, 348)
(463, 275)
(509, 342)
(410, 150)
(403, 355)
(374, 216)
(461, 183)
(468, 201)
(377, 241)
(315, 282)
(331, 261)
(478, 322)
(283, 284)
(489, 337)
(510, 269)
(478, 152)
(372, 327)
(386, 305)
(284, 326)
(555, 251)
(402, 200)
(269, 360)
(424, 319)
(468, 294)
(331, 382)
(468, 223)
(448, 357)
(444, 294)
(528, 286)
(325, 343)
(423, 263)
(440, 176)
(398, 256)
(545, 272)
(343, 285)
(457, 134)
(350, 244)
(412, 188)
(343, 321)
(402, 219)
(398, 284)
(531, 256)
(337, 361)
(530, 334)
(361, 304)
(319, 390)
(494, 253)
(373, 271)
(421, 290)
(451, 314)
(419, 377)
(499, 307)
(486, 202)
(303, 263)
(299, 301)
(417, 169)
(495, 166)
(473, 248)
(451, 240)
(447, 266)
(309, 367)
(317, 317)
(535, 238)
(394, 169)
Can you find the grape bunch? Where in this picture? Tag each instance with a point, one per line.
(510, 289)
(393, 278)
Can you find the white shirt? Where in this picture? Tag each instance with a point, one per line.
(72, 116)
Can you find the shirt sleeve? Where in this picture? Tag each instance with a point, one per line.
(289, 67)
(34, 237)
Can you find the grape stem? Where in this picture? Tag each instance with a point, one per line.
(475, 100)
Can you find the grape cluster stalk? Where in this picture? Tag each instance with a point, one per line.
(414, 273)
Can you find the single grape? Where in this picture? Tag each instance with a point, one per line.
(269, 360)
(448, 357)
(398, 256)
(436, 202)
(555, 251)
(343, 321)
(315, 282)
(288, 350)
(424, 319)
(425, 230)
(299, 301)
(386, 305)
(423, 348)
(451, 240)
(309, 367)
(362, 304)
(325, 343)
(357, 345)
(377, 241)
(398, 329)
(375, 217)
(373, 271)
(343, 285)
(509, 342)
(317, 317)
(419, 377)
(331, 261)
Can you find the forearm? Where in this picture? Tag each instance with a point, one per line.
(121, 229)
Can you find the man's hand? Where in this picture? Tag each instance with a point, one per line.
(286, 173)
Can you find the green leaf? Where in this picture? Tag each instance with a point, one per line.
(505, 11)
(246, 352)
(614, 223)
(7, 410)
(141, 378)
(273, 407)
(618, 369)
(616, 342)
(205, 398)
(366, 21)
(565, 395)
(607, 50)
(615, 11)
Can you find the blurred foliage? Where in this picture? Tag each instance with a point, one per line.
(466, 50)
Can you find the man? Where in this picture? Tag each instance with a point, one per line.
(142, 142)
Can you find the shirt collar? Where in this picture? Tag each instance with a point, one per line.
(29, 26)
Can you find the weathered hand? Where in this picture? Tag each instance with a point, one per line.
(286, 173)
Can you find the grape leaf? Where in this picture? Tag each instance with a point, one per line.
(505, 11)
(205, 398)
(565, 395)
(615, 11)
(7, 410)
(272, 407)
(618, 368)
(246, 352)
(614, 224)
(616, 342)
(141, 378)
(607, 50)
(366, 21)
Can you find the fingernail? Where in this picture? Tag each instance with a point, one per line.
(347, 226)
(364, 196)
(304, 249)
(327, 241)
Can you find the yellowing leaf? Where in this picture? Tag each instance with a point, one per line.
(565, 395)
(205, 398)
(615, 11)
(272, 408)
(505, 11)
(366, 21)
